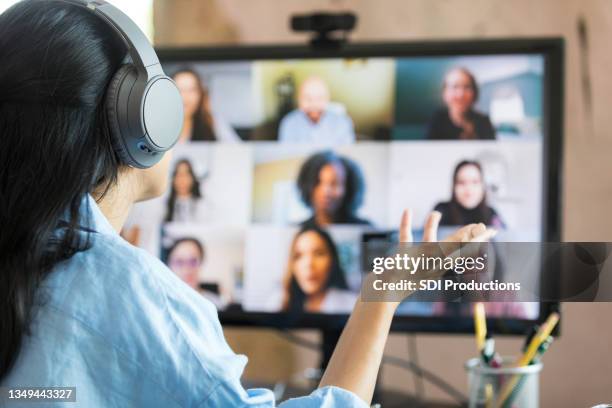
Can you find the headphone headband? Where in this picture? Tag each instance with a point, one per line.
(144, 106)
(140, 50)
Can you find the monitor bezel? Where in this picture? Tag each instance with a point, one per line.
(553, 50)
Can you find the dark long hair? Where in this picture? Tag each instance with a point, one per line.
(482, 212)
(203, 129)
(295, 297)
(57, 60)
(195, 189)
(308, 179)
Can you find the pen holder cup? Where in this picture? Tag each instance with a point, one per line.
(507, 386)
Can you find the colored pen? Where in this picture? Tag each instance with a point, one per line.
(541, 350)
(488, 350)
(540, 337)
(496, 361)
(532, 332)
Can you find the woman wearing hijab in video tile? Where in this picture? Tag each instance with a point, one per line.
(458, 120)
(468, 202)
(314, 280)
(332, 187)
(200, 122)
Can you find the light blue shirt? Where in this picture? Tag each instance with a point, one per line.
(332, 128)
(118, 325)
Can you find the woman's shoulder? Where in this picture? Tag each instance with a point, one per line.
(145, 277)
(479, 116)
(121, 260)
(132, 292)
(442, 206)
(126, 303)
(110, 273)
(495, 219)
(354, 220)
(223, 130)
(439, 124)
(483, 124)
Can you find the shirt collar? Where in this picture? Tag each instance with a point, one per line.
(96, 220)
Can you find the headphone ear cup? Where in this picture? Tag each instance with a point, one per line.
(112, 106)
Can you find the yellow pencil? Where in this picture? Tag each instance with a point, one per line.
(529, 354)
(480, 324)
(488, 395)
(538, 339)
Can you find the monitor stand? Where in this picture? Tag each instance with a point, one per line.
(329, 339)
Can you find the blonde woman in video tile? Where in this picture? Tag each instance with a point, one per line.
(459, 120)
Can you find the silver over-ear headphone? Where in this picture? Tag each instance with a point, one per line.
(144, 106)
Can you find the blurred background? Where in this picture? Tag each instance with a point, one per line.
(580, 360)
(577, 368)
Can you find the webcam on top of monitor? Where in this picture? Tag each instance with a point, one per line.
(329, 29)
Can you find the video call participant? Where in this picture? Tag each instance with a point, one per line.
(316, 120)
(332, 187)
(185, 258)
(131, 333)
(458, 120)
(185, 202)
(314, 280)
(468, 202)
(200, 122)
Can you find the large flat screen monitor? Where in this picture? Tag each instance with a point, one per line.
(291, 157)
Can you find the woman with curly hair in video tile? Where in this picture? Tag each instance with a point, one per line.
(332, 186)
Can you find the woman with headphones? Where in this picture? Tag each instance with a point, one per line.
(84, 135)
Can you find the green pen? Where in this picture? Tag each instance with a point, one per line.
(488, 350)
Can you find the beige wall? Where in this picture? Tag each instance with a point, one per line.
(577, 369)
